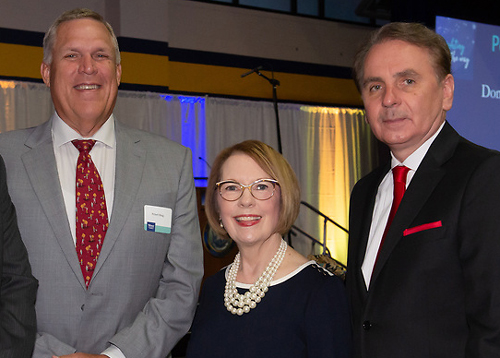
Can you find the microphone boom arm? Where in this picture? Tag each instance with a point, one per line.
(275, 83)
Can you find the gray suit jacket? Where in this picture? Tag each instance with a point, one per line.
(145, 285)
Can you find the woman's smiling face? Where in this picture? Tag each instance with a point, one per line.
(248, 220)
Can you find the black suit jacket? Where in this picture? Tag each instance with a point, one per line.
(435, 291)
(18, 286)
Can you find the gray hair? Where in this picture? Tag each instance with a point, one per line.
(413, 33)
(80, 13)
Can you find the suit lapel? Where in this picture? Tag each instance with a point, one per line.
(427, 177)
(361, 230)
(40, 164)
(368, 210)
(414, 199)
(130, 161)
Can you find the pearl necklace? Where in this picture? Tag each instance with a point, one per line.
(239, 304)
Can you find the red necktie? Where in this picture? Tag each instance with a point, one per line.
(91, 213)
(399, 174)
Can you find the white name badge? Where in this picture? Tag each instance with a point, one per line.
(157, 219)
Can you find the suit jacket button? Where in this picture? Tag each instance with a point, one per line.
(83, 307)
(367, 325)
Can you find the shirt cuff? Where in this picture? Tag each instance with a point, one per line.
(113, 352)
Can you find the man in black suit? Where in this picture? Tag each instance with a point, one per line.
(18, 286)
(432, 288)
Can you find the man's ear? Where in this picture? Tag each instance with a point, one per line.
(118, 74)
(448, 91)
(45, 71)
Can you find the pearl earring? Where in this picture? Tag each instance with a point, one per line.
(220, 223)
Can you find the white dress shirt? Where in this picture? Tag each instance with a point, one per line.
(104, 157)
(383, 203)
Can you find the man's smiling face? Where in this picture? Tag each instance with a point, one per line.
(83, 76)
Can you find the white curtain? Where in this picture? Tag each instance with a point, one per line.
(329, 148)
(179, 118)
(231, 121)
(23, 105)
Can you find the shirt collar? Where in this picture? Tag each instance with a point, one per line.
(415, 158)
(62, 133)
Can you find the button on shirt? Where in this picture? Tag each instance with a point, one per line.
(383, 203)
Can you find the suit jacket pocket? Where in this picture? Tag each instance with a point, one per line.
(423, 227)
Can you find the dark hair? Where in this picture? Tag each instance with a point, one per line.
(275, 165)
(413, 33)
(75, 14)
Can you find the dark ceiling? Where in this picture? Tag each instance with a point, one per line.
(425, 11)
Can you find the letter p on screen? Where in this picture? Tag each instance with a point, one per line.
(495, 42)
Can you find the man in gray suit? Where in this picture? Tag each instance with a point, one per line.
(139, 298)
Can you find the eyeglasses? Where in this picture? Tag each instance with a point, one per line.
(261, 189)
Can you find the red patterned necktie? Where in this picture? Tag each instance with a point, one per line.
(91, 213)
(399, 174)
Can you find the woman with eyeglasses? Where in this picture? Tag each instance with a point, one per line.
(271, 301)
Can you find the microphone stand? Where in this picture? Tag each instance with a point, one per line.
(274, 83)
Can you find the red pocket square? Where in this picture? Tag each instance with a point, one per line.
(422, 227)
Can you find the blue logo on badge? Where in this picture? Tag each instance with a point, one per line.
(151, 226)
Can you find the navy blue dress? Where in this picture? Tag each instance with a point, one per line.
(302, 315)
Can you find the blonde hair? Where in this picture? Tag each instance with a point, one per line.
(275, 165)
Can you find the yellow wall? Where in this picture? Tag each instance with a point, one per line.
(21, 61)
